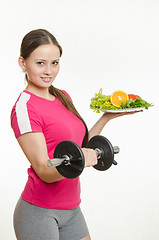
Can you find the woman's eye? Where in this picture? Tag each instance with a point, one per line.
(40, 63)
(55, 63)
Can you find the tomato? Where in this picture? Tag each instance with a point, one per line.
(133, 96)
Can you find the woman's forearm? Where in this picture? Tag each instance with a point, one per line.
(98, 126)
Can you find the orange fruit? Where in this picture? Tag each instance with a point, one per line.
(118, 97)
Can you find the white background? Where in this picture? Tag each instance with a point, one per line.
(110, 45)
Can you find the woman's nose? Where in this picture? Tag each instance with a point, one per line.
(48, 70)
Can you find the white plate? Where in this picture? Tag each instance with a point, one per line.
(122, 110)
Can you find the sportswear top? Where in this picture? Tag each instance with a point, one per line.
(32, 113)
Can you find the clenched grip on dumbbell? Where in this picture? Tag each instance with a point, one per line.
(69, 159)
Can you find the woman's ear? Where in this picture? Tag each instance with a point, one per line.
(21, 62)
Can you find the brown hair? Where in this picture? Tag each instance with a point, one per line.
(30, 42)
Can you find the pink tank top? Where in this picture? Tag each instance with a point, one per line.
(35, 114)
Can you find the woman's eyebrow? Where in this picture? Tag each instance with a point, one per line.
(41, 59)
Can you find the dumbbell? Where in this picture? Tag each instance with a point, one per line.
(69, 158)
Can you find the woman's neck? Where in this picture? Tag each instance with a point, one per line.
(39, 91)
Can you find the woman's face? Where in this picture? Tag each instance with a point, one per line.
(42, 66)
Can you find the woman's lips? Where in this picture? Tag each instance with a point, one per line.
(46, 79)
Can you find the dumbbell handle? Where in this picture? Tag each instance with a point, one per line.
(116, 149)
(58, 161)
(99, 153)
(66, 159)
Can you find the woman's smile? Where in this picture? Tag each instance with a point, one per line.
(46, 79)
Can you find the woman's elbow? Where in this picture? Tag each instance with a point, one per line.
(48, 175)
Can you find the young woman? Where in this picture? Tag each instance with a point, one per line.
(42, 117)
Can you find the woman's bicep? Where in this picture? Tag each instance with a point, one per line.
(34, 147)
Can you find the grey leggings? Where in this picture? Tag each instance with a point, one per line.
(36, 223)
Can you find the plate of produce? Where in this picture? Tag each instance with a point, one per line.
(118, 101)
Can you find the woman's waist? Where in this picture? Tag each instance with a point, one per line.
(63, 192)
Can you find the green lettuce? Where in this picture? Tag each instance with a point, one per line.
(101, 101)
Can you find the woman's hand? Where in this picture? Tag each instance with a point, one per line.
(108, 116)
(90, 157)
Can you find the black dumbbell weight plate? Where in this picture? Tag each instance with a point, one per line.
(76, 166)
(107, 156)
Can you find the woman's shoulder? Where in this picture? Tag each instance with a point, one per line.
(21, 103)
(24, 117)
(23, 106)
(23, 97)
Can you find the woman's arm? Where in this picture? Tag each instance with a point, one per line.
(35, 149)
(106, 117)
